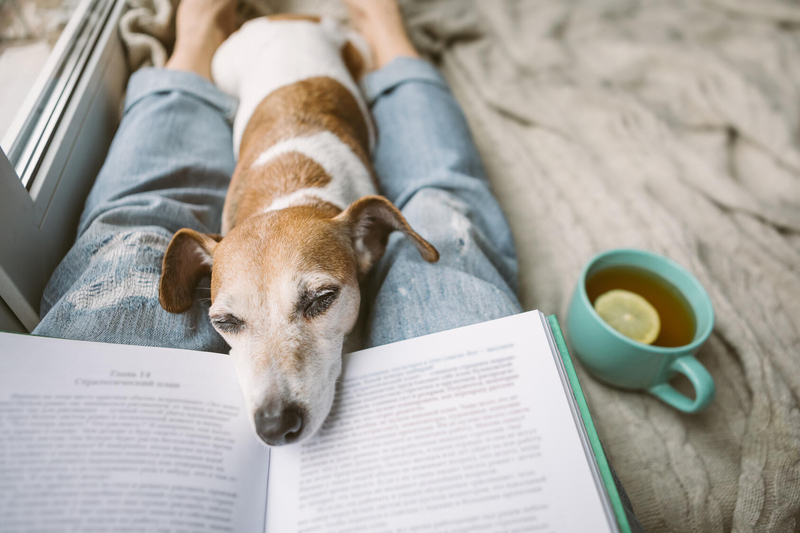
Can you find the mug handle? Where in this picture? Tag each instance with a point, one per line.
(701, 380)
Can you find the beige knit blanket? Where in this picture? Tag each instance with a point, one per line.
(669, 125)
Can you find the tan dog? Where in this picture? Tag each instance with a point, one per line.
(301, 222)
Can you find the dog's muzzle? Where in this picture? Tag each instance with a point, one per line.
(278, 423)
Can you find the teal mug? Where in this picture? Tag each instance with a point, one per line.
(629, 364)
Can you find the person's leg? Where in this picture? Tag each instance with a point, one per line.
(428, 165)
(168, 168)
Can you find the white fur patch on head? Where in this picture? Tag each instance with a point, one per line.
(281, 356)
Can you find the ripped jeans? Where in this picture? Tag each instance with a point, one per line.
(169, 167)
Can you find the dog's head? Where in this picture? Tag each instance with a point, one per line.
(284, 293)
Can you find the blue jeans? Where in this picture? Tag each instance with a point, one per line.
(169, 167)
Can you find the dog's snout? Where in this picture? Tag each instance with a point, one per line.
(279, 425)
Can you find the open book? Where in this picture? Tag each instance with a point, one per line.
(481, 428)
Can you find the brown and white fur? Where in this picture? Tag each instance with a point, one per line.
(301, 224)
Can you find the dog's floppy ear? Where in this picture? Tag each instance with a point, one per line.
(189, 257)
(371, 220)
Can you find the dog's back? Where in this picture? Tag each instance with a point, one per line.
(302, 126)
(268, 53)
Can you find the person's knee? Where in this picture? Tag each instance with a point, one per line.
(472, 282)
(467, 238)
(445, 221)
(108, 265)
(106, 289)
(419, 298)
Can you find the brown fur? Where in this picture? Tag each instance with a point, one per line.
(370, 220)
(281, 176)
(304, 108)
(180, 275)
(353, 60)
(299, 239)
(310, 238)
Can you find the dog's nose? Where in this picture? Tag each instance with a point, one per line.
(279, 425)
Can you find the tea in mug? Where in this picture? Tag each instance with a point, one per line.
(674, 311)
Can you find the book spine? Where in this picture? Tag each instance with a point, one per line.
(594, 439)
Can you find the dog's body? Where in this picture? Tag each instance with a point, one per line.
(270, 53)
(299, 108)
(300, 225)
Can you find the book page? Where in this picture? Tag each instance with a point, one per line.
(106, 437)
(465, 430)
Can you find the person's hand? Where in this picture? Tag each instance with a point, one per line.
(381, 24)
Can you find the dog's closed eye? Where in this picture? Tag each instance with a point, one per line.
(228, 323)
(314, 303)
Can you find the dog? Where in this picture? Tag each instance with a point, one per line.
(302, 222)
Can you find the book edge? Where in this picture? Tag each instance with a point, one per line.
(594, 439)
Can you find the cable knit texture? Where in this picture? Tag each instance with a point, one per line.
(669, 125)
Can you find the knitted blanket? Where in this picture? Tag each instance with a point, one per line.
(669, 125)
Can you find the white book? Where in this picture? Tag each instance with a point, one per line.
(481, 428)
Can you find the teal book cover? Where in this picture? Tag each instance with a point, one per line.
(597, 447)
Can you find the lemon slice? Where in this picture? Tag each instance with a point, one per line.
(630, 314)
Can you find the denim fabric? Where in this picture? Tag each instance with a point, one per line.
(429, 167)
(169, 168)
